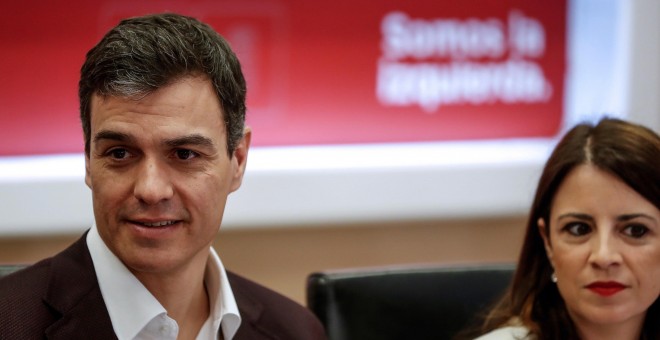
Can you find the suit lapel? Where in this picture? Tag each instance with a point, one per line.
(251, 311)
(74, 293)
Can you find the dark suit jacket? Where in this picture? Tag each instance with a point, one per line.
(59, 298)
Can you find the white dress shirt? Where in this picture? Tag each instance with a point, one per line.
(136, 314)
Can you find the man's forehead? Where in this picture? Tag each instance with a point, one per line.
(175, 104)
(135, 94)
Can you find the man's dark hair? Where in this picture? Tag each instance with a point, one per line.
(143, 54)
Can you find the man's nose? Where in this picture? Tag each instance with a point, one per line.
(152, 183)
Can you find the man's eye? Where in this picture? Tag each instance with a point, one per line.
(118, 153)
(635, 230)
(184, 154)
(577, 228)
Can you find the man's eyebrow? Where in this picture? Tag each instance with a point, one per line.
(112, 135)
(194, 139)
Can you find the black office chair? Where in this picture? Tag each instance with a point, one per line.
(432, 302)
(6, 269)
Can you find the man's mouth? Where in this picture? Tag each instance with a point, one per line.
(157, 224)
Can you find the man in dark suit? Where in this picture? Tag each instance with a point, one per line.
(162, 104)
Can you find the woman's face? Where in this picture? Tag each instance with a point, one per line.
(604, 245)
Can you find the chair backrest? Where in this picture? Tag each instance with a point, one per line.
(6, 269)
(431, 302)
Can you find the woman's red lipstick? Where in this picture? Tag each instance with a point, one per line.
(606, 288)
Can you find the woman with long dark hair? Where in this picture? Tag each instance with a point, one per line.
(590, 262)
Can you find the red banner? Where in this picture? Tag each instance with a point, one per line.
(344, 71)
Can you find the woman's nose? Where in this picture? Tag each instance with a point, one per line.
(604, 251)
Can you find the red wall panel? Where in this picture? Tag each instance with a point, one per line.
(344, 71)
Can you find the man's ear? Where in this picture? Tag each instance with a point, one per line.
(545, 232)
(88, 180)
(239, 159)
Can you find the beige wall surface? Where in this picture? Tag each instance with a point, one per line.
(281, 258)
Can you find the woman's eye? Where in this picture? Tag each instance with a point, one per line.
(635, 230)
(184, 154)
(578, 228)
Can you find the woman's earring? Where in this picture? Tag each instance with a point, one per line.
(553, 277)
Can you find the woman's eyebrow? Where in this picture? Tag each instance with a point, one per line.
(621, 218)
(628, 217)
(579, 216)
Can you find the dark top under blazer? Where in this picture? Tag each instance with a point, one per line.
(59, 298)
